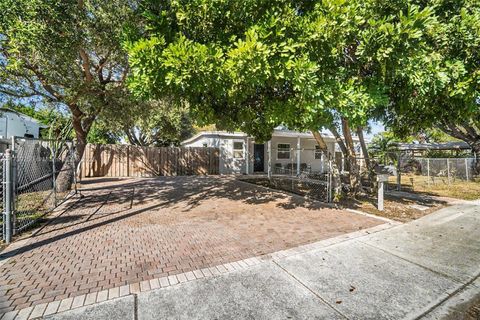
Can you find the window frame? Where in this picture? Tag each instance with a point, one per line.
(284, 151)
(318, 152)
(238, 150)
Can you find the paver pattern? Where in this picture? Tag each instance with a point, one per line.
(126, 231)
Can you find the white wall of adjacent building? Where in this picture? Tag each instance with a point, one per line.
(17, 124)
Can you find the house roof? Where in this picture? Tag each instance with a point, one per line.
(460, 145)
(279, 131)
(26, 117)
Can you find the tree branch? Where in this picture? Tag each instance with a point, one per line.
(85, 65)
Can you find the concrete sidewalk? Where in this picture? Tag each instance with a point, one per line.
(422, 269)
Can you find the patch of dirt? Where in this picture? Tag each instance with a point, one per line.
(399, 209)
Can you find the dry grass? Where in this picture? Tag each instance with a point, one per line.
(398, 209)
(466, 190)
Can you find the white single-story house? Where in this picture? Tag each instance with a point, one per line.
(289, 151)
(14, 123)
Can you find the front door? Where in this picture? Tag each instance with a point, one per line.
(258, 157)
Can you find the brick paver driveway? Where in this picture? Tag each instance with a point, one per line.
(125, 231)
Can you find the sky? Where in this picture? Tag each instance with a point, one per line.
(376, 127)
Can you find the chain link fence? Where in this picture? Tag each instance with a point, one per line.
(412, 172)
(41, 175)
(303, 171)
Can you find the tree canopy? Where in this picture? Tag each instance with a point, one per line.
(439, 85)
(68, 53)
(253, 65)
(257, 64)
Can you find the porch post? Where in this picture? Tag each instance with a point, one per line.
(269, 163)
(298, 156)
(247, 156)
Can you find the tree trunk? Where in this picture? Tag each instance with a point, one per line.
(363, 145)
(339, 140)
(336, 180)
(354, 170)
(476, 154)
(341, 144)
(81, 125)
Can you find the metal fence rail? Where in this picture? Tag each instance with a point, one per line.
(413, 171)
(446, 168)
(31, 189)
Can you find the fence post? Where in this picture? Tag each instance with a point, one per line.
(330, 180)
(7, 185)
(466, 168)
(128, 161)
(269, 152)
(448, 171)
(54, 180)
(428, 171)
(399, 173)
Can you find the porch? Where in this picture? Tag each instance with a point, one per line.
(287, 155)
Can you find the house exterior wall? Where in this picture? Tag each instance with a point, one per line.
(229, 165)
(307, 152)
(13, 124)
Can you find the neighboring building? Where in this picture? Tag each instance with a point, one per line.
(14, 123)
(291, 151)
(419, 149)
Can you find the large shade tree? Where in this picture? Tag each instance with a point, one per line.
(69, 53)
(255, 64)
(164, 126)
(440, 85)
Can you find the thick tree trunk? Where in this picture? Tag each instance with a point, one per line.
(363, 145)
(476, 154)
(81, 124)
(339, 140)
(354, 169)
(336, 180)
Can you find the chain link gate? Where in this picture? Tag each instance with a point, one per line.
(32, 170)
(311, 176)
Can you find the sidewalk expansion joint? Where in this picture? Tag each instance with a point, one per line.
(308, 288)
(412, 262)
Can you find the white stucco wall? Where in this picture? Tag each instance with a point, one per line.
(229, 165)
(13, 124)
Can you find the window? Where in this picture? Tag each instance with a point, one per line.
(238, 149)
(205, 145)
(283, 151)
(318, 152)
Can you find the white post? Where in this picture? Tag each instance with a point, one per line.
(269, 165)
(322, 163)
(298, 156)
(466, 168)
(380, 195)
(247, 157)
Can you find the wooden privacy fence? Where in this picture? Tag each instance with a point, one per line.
(134, 161)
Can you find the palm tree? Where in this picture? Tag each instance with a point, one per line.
(383, 147)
